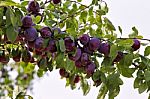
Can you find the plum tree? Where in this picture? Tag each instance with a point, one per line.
(77, 39)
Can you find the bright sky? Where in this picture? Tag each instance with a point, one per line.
(126, 13)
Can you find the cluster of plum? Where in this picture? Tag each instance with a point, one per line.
(41, 42)
(84, 48)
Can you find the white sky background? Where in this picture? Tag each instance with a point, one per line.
(126, 13)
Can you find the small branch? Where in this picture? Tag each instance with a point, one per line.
(42, 6)
(85, 6)
(135, 65)
(135, 38)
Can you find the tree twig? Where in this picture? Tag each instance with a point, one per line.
(135, 38)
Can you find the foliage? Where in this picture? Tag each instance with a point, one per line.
(77, 39)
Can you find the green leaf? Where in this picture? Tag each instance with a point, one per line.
(79, 0)
(37, 19)
(136, 82)
(120, 29)
(113, 81)
(96, 75)
(109, 24)
(126, 71)
(12, 17)
(62, 45)
(1, 15)
(40, 72)
(42, 63)
(85, 86)
(28, 67)
(135, 30)
(69, 65)
(19, 15)
(11, 33)
(83, 16)
(8, 19)
(94, 2)
(107, 65)
(127, 42)
(102, 92)
(134, 34)
(9, 3)
(91, 12)
(145, 61)
(127, 60)
(60, 59)
(142, 88)
(113, 93)
(24, 3)
(113, 51)
(147, 51)
(147, 76)
(20, 95)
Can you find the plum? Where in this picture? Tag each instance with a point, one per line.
(16, 55)
(78, 63)
(63, 73)
(56, 1)
(76, 56)
(30, 44)
(136, 44)
(26, 56)
(94, 44)
(76, 79)
(37, 52)
(85, 59)
(69, 44)
(39, 44)
(45, 32)
(118, 57)
(27, 22)
(87, 50)
(30, 34)
(90, 68)
(52, 46)
(33, 7)
(84, 39)
(4, 59)
(104, 48)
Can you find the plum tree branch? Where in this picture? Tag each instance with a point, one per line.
(84, 6)
(135, 38)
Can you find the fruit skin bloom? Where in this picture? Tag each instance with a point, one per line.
(136, 44)
(90, 68)
(104, 49)
(33, 7)
(84, 39)
(30, 34)
(27, 21)
(94, 44)
(46, 32)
